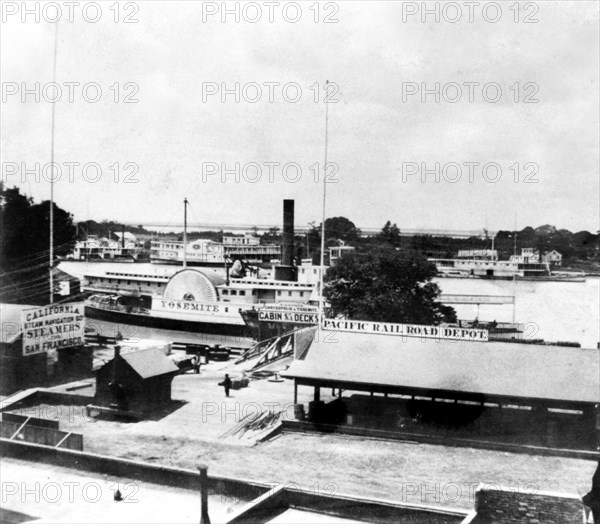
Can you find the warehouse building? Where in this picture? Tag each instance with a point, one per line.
(554, 390)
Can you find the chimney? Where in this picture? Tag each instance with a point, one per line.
(287, 258)
(115, 362)
(204, 518)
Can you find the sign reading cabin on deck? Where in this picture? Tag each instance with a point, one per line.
(407, 330)
(296, 317)
(52, 327)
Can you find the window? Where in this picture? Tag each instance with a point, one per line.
(242, 293)
(225, 292)
(289, 293)
(233, 292)
(301, 293)
(279, 293)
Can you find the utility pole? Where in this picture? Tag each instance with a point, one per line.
(185, 204)
(51, 217)
(321, 276)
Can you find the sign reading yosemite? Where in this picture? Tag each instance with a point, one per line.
(52, 327)
(407, 330)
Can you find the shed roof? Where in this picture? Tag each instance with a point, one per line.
(149, 363)
(493, 369)
(10, 316)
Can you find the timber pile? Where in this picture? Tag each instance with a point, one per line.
(253, 423)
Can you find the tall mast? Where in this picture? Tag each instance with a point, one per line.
(515, 272)
(185, 204)
(51, 218)
(515, 237)
(322, 269)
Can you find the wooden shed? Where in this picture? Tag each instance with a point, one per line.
(136, 382)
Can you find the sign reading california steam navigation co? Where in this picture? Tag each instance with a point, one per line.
(52, 327)
(407, 330)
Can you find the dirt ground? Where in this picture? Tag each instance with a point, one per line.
(193, 431)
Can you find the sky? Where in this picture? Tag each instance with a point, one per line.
(433, 121)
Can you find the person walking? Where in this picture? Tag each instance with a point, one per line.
(592, 499)
(226, 384)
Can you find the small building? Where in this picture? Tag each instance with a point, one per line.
(337, 252)
(137, 381)
(20, 369)
(16, 371)
(554, 258)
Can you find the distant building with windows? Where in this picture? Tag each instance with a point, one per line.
(245, 240)
(529, 255)
(94, 247)
(488, 254)
(206, 251)
(554, 258)
(337, 252)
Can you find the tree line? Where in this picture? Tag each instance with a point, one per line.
(25, 245)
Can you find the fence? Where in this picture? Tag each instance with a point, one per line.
(38, 431)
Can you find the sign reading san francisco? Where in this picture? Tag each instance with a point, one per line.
(52, 327)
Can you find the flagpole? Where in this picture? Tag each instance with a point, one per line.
(322, 269)
(51, 218)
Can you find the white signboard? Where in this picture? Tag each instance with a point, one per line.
(296, 317)
(52, 327)
(172, 306)
(291, 306)
(407, 330)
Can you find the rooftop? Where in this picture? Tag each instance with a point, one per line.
(493, 369)
(149, 363)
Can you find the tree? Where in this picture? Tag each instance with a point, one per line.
(390, 234)
(336, 229)
(24, 245)
(386, 285)
(340, 228)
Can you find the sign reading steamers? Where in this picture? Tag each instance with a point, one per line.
(52, 327)
(407, 330)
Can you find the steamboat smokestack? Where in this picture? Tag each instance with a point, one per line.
(287, 270)
(287, 258)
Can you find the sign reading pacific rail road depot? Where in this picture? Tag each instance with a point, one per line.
(52, 327)
(407, 330)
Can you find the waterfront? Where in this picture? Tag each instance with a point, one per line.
(553, 311)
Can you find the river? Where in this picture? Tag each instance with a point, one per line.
(554, 311)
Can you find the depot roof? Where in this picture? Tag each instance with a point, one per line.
(493, 369)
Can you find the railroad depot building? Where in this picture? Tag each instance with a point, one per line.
(42, 344)
(385, 380)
